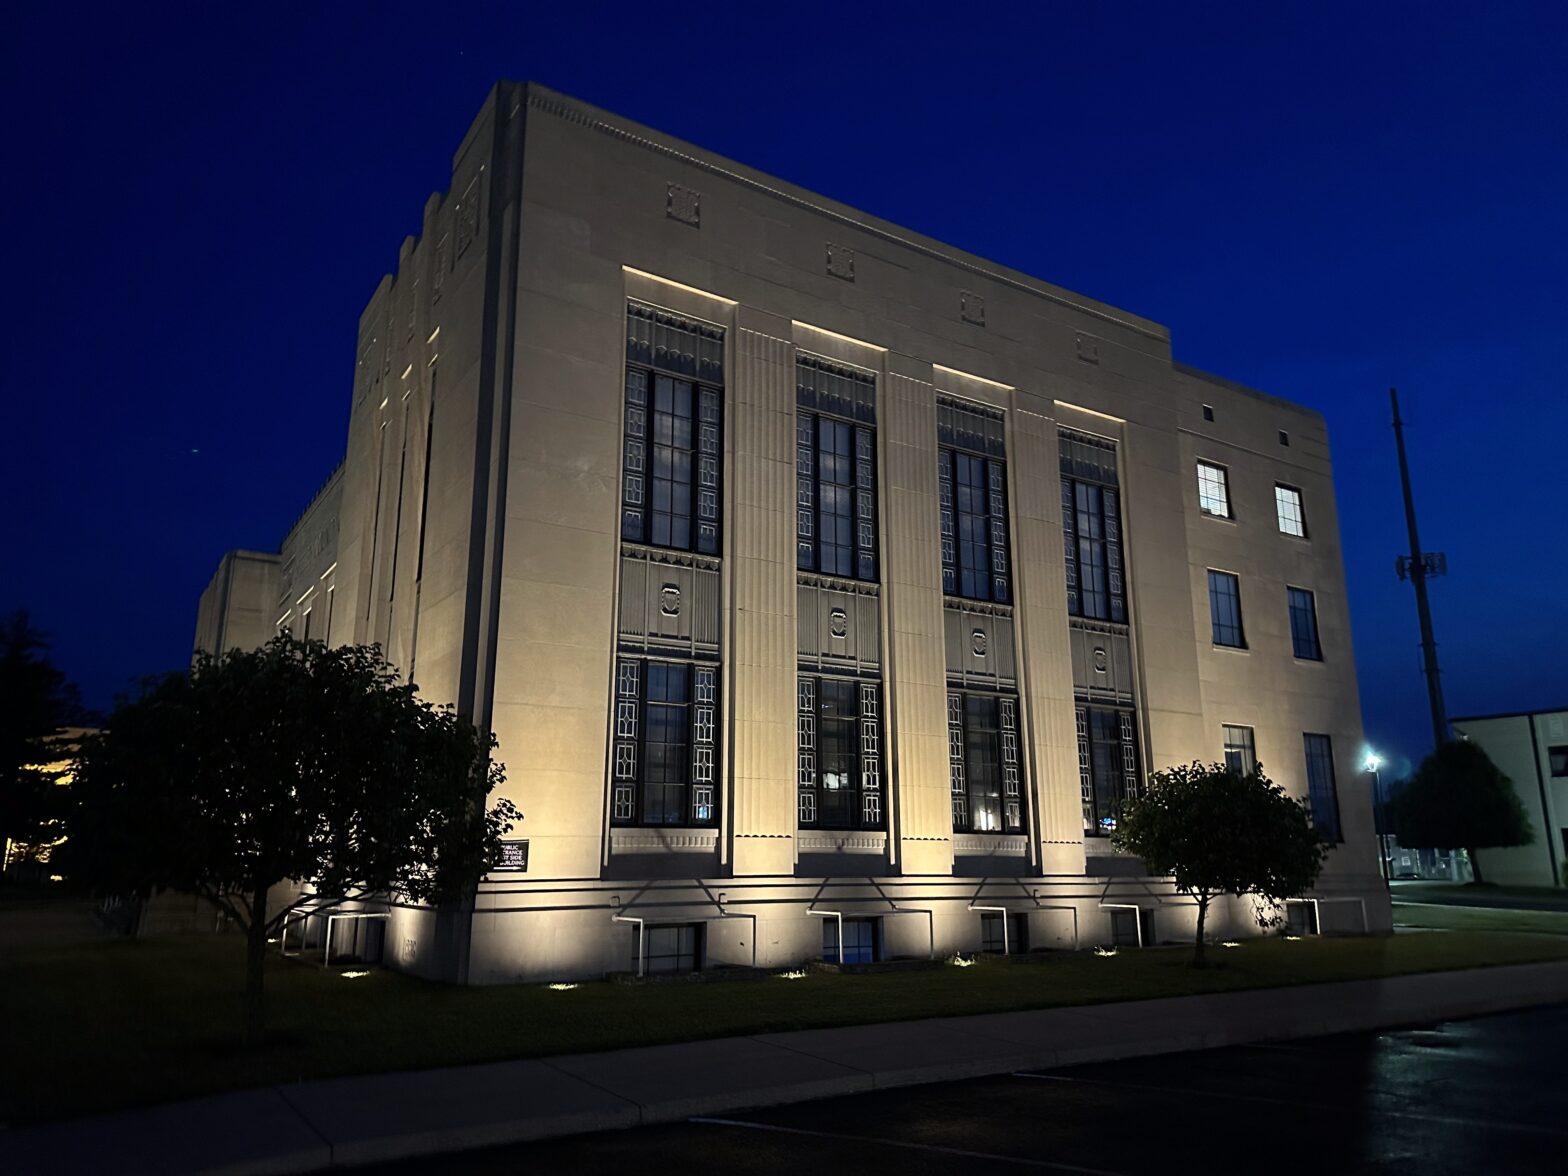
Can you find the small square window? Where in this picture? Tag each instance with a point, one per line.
(861, 940)
(1208, 412)
(1559, 760)
(1284, 437)
(670, 949)
(1213, 490)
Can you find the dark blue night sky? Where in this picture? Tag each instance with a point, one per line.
(1319, 202)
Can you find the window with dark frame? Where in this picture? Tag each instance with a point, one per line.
(839, 754)
(673, 442)
(1225, 609)
(862, 940)
(835, 470)
(1092, 528)
(983, 763)
(1241, 753)
(669, 949)
(1108, 769)
(997, 937)
(1304, 641)
(972, 489)
(1322, 791)
(1557, 757)
(663, 765)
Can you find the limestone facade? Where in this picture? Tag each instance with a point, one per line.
(990, 660)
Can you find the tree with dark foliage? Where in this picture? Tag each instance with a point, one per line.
(35, 703)
(1459, 798)
(294, 762)
(1218, 831)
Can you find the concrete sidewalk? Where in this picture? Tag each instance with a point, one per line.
(347, 1121)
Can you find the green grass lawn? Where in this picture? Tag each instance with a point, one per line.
(94, 1026)
(1457, 918)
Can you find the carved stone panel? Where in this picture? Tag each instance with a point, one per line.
(683, 204)
(839, 629)
(971, 307)
(669, 604)
(1102, 661)
(841, 262)
(980, 649)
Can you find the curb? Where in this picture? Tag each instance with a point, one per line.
(343, 1122)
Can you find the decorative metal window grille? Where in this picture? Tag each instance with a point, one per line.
(1108, 770)
(870, 756)
(983, 763)
(1012, 799)
(806, 750)
(671, 456)
(663, 768)
(628, 696)
(835, 470)
(955, 760)
(972, 493)
(468, 217)
(839, 754)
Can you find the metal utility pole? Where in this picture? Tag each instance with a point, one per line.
(1419, 566)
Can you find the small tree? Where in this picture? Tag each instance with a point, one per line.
(35, 702)
(1459, 798)
(293, 762)
(1217, 831)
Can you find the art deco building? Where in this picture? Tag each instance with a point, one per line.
(827, 588)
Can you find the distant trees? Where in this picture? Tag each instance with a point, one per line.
(1460, 799)
(292, 762)
(1217, 831)
(35, 703)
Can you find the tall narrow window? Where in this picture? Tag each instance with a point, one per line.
(1107, 766)
(1304, 624)
(1225, 609)
(673, 432)
(983, 767)
(1092, 528)
(1292, 517)
(972, 487)
(1241, 753)
(1322, 792)
(839, 754)
(835, 470)
(662, 771)
(1213, 490)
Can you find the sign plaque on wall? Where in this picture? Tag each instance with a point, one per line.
(514, 858)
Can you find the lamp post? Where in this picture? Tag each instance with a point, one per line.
(1374, 764)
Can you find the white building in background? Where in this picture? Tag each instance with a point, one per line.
(816, 577)
(1531, 749)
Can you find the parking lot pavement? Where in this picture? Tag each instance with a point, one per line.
(1480, 1096)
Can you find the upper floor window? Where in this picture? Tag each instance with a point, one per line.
(1304, 625)
(662, 771)
(674, 431)
(839, 754)
(1092, 528)
(972, 487)
(1213, 490)
(986, 782)
(1107, 766)
(835, 470)
(1225, 609)
(1557, 758)
(1322, 791)
(1288, 510)
(1241, 754)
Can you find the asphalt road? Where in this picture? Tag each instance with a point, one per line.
(1471, 1097)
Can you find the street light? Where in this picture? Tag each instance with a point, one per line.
(1373, 764)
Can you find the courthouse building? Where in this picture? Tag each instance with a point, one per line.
(827, 588)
